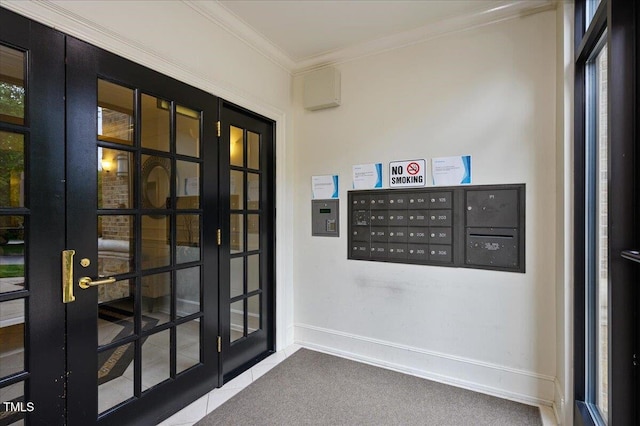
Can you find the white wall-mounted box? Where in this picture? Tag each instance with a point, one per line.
(322, 89)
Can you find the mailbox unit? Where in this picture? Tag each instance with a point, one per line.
(479, 226)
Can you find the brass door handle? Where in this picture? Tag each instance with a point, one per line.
(67, 276)
(86, 282)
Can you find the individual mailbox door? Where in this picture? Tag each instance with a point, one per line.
(379, 234)
(418, 252)
(418, 235)
(379, 218)
(397, 251)
(492, 247)
(360, 233)
(361, 218)
(440, 200)
(440, 235)
(417, 218)
(360, 250)
(489, 208)
(397, 201)
(397, 218)
(379, 250)
(439, 253)
(378, 201)
(360, 201)
(398, 235)
(418, 200)
(440, 218)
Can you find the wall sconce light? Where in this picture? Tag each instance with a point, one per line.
(106, 165)
(122, 165)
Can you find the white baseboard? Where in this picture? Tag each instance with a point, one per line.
(492, 379)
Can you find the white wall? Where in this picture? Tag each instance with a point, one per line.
(177, 40)
(489, 92)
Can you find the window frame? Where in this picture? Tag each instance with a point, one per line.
(618, 19)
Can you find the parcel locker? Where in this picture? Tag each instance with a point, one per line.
(493, 208)
(492, 247)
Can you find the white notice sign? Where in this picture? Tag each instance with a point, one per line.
(403, 174)
(324, 187)
(367, 176)
(451, 170)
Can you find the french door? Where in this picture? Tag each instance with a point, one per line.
(136, 235)
(141, 159)
(32, 223)
(108, 223)
(248, 240)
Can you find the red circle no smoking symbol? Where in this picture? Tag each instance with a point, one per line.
(413, 168)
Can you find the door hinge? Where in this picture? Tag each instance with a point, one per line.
(219, 344)
(219, 237)
(218, 127)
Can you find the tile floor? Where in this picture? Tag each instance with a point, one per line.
(206, 404)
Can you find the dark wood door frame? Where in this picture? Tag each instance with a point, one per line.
(235, 360)
(620, 19)
(43, 212)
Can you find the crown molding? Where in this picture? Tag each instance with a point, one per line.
(222, 17)
(49, 13)
(508, 10)
(230, 22)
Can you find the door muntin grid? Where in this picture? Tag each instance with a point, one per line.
(149, 239)
(246, 213)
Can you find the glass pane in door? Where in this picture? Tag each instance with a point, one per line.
(12, 251)
(187, 131)
(187, 345)
(236, 146)
(11, 170)
(12, 89)
(12, 336)
(602, 276)
(155, 123)
(14, 236)
(115, 113)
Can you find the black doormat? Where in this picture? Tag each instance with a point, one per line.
(113, 362)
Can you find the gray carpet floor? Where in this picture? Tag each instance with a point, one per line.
(312, 388)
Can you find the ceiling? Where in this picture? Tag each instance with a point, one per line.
(302, 34)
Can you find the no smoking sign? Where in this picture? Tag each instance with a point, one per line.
(403, 174)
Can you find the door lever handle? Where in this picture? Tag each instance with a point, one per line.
(86, 282)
